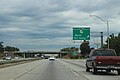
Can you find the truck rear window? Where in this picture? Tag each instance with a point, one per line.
(104, 53)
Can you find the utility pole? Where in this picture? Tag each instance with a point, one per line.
(108, 34)
(101, 40)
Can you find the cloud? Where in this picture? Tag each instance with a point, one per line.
(32, 24)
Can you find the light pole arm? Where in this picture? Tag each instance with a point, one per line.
(99, 18)
(106, 22)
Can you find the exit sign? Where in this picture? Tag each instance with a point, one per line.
(81, 33)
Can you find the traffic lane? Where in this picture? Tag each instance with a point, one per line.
(80, 63)
(88, 75)
(51, 70)
(10, 73)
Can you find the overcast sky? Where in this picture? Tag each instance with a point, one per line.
(47, 24)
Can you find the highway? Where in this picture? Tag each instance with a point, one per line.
(59, 69)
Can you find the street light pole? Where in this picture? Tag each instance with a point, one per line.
(101, 40)
(106, 22)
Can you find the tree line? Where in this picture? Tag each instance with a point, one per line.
(71, 52)
(7, 48)
(114, 43)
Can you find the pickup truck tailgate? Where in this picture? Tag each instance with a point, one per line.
(110, 60)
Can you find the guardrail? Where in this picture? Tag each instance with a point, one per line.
(17, 60)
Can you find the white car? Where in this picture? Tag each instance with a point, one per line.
(7, 58)
(51, 59)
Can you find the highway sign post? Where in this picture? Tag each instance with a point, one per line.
(81, 33)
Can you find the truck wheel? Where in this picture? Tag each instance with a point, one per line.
(94, 70)
(118, 72)
(87, 69)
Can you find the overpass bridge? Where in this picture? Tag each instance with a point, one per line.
(40, 53)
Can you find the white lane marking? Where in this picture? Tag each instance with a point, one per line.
(66, 67)
(75, 73)
(72, 70)
(27, 71)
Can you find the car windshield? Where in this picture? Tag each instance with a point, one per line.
(105, 53)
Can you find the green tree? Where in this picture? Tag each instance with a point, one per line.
(114, 43)
(1, 47)
(65, 49)
(70, 51)
(11, 49)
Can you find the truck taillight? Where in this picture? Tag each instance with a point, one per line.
(97, 60)
(118, 62)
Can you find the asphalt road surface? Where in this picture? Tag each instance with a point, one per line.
(53, 70)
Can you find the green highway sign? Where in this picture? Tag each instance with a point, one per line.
(75, 53)
(81, 33)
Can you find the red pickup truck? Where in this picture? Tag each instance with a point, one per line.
(103, 59)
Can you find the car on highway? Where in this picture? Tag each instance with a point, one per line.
(7, 58)
(51, 59)
(103, 59)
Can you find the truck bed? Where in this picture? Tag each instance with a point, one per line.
(109, 60)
